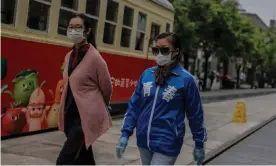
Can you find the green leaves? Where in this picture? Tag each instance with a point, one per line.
(216, 25)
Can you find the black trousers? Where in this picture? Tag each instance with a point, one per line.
(74, 151)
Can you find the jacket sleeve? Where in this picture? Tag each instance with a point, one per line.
(134, 106)
(194, 112)
(104, 80)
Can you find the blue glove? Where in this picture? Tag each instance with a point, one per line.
(199, 155)
(121, 146)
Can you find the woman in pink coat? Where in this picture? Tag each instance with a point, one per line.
(83, 115)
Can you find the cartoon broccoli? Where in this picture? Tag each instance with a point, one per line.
(25, 82)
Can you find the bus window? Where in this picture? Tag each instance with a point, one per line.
(92, 12)
(141, 31)
(155, 30)
(8, 9)
(127, 27)
(110, 21)
(38, 15)
(168, 27)
(67, 10)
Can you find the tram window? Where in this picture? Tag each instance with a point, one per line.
(64, 17)
(168, 27)
(112, 11)
(94, 23)
(140, 41)
(67, 10)
(109, 33)
(110, 22)
(127, 27)
(38, 15)
(92, 12)
(140, 35)
(125, 37)
(8, 9)
(71, 4)
(128, 16)
(155, 30)
(93, 7)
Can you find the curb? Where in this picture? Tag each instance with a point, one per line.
(224, 147)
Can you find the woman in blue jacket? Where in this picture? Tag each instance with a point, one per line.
(164, 95)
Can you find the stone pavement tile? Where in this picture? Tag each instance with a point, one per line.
(237, 128)
(54, 136)
(114, 130)
(117, 122)
(105, 154)
(261, 117)
(13, 159)
(186, 155)
(36, 149)
(136, 162)
(117, 130)
(216, 138)
(209, 145)
(112, 138)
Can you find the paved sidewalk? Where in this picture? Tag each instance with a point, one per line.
(44, 148)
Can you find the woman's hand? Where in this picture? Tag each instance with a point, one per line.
(121, 146)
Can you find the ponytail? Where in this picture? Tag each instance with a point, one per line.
(91, 39)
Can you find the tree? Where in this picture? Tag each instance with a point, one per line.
(235, 40)
(184, 28)
(243, 45)
(268, 50)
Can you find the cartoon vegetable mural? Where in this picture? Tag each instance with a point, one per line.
(4, 87)
(25, 82)
(62, 68)
(36, 110)
(52, 117)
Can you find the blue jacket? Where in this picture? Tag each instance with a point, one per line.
(158, 112)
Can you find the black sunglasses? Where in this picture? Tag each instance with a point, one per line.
(163, 50)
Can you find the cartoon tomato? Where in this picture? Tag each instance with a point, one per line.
(13, 121)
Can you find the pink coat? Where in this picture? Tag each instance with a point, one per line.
(91, 87)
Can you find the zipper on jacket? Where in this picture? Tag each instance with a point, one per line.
(151, 115)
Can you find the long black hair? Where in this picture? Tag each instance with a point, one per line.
(174, 40)
(87, 28)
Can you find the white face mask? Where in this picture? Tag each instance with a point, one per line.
(75, 36)
(162, 60)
